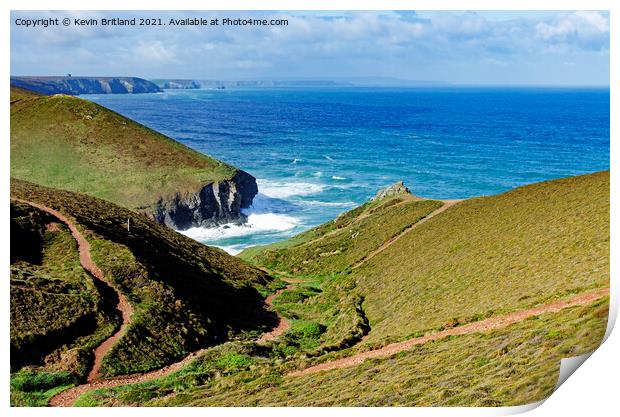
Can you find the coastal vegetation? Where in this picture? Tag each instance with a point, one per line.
(407, 289)
(395, 269)
(184, 295)
(512, 366)
(340, 244)
(70, 143)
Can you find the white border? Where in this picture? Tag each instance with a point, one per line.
(593, 388)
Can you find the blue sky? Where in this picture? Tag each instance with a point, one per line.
(508, 48)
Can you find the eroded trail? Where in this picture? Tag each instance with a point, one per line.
(447, 204)
(89, 265)
(283, 323)
(475, 327)
(358, 219)
(68, 397)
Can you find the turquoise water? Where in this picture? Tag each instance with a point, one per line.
(319, 152)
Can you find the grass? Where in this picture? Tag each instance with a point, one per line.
(511, 366)
(185, 295)
(57, 312)
(338, 245)
(71, 143)
(18, 93)
(32, 388)
(482, 257)
(334, 306)
(491, 255)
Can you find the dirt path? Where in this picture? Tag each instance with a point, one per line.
(87, 263)
(447, 204)
(68, 397)
(364, 215)
(283, 323)
(475, 327)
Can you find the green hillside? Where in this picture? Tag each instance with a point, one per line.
(480, 258)
(336, 246)
(491, 255)
(53, 300)
(21, 93)
(512, 366)
(184, 295)
(70, 143)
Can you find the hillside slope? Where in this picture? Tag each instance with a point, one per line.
(70, 143)
(341, 243)
(440, 273)
(491, 255)
(480, 257)
(516, 365)
(184, 295)
(53, 300)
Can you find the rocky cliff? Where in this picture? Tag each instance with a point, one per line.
(85, 85)
(177, 84)
(215, 204)
(116, 159)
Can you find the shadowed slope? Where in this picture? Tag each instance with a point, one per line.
(185, 295)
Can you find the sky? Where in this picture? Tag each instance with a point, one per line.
(480, 48)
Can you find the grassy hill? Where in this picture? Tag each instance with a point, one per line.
(490, 255)
(512, 366)
(395, 268)
(53, 300)
(337, 245)
(185, 295)
(66, 142)
(479, 258)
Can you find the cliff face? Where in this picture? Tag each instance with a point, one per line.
(177, 84)
(215, 204)
(85, 85)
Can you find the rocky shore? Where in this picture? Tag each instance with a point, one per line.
(215, 204)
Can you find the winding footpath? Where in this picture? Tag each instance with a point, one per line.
(446, 205)
(486, 325)
(89, 265)
(69, 396)
(283, 323)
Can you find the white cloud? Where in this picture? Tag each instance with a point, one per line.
(318, 45)
(583, 28)
(153, 51)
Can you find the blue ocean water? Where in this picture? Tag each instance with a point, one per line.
(318, 152)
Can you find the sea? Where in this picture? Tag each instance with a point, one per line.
(317, 152)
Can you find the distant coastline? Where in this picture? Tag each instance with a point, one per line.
(75, 85)
(175, 84)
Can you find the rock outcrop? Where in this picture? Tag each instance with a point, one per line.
(393, 190)
(215, 204)
(85, 85)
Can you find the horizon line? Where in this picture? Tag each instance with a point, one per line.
(342, 79)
